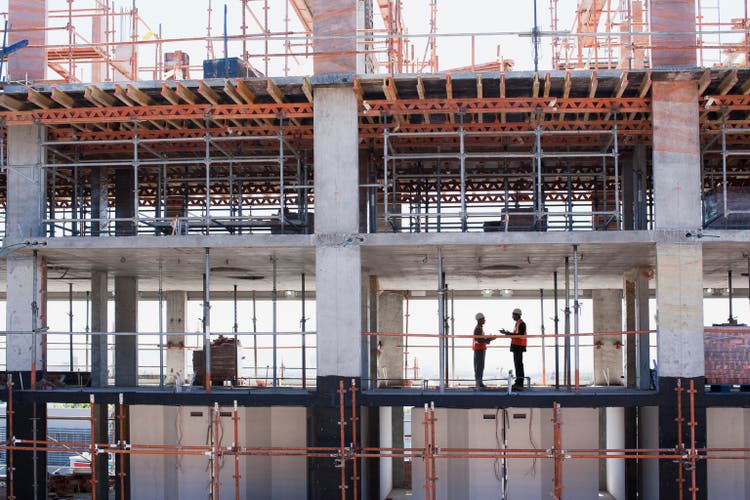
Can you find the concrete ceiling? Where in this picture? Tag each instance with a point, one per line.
(469, 267)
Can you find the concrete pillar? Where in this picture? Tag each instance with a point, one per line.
(338, 271)
(99, 322)
(99, 188)
(391, 320)
(30, 63)
(338, 259)
(98, 35)
(340, 20)
(637, 356)
(124, 202)
(126, 320)
(607, 309)
(176, 314)
(634, 204)
(675, 46)
(101, 435)
(25, 280)
(679, 265)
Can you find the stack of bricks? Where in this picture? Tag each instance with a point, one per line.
(727, 356)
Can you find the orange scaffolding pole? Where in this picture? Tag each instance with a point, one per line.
(121, 446)
(342, 448)
(235, 443)
(557, 451)
(680, 446)
(92, 447)
(10, 439)
(355, 477)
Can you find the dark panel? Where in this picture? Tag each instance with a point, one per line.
(323, 476)
(30, 479)
(669, 489)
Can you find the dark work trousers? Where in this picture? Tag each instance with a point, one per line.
(479, 366)
(518, 363)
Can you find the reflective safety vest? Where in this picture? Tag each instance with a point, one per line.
(479, 344)
(519, 341)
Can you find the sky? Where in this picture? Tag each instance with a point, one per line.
(189, 18)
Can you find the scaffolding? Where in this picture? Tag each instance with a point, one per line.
(351, 454)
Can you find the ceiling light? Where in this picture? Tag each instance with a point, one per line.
(290, 293)
(709, 291)
(487, 292)
(507, 292)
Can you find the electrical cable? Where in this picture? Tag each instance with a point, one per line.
(532, 471)
(500, 466)
(178, 426)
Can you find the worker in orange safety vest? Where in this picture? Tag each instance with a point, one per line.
(479, 346)
(517, 347)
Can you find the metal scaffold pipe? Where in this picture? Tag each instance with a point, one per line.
(274, 300)
(576, 311)
(441, 320)
(566, 353)
(207, 320)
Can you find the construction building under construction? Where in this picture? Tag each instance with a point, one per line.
(317, 157)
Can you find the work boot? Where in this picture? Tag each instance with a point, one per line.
(480, 385)
(517, 387)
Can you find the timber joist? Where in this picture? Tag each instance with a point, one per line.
(148, 113)
(550, 105)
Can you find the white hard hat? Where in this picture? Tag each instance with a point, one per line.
(479, 316)
(517, 311)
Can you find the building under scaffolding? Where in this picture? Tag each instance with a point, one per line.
(312, 215)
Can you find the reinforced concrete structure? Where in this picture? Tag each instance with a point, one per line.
(615, 176)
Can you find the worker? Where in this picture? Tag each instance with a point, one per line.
(517, 347)
(479, 346)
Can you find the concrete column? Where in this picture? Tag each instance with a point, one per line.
(634, 190)
(607, 309)
(675, 47)
(679, 266)
(176, 313)
(338, 259)
(124, 202)
(642, 340)
(126, 320)
(338, 19)
(391, 320)
(99, 188)
(98, 35)
(338, 271)
(99, 322)
(25, 276)
(101, 435)
(31, 63)
(637, 355)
